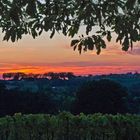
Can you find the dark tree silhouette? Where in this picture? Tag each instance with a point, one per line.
(2, 88)
(19, 17)
(14, 101)
(14, 76)
(104, 96)
(31, 76)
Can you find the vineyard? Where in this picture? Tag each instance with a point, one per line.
(66, 126)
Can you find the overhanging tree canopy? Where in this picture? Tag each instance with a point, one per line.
(19, 17)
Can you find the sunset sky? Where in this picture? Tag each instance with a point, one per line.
(43, 54)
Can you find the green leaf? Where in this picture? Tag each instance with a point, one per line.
(109, 36)
(90, 43)
(19, 34)
(64, 30)
(134, 35)
(88, 29)
(74, 47)
(34, 33)
(72, 31)
(80, 47)
(31, 8)
(14, 14)
(98, 50)
(40, 32)
(74, 42)
(7, 36)
(52, 34)
(98, 32)
(102, 42)
(125, 44)
(130, 4)
(120, 37)
(138, 37)
(103, 33)
(13, 36)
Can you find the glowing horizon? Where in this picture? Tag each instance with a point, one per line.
(44, 55)
(77, 70)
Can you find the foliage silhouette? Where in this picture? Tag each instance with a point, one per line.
(28, 95)
(49, 75)
(14, 101)
(69, 127)
(103, 96)
(19, 17)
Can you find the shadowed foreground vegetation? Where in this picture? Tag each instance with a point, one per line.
(66, 126)
(89, 95)
(51, 94)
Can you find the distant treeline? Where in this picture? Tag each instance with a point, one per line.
(66, 126)
(49, 75)
(61, 75)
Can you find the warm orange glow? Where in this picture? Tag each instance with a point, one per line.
(44, 55)
(78, 70)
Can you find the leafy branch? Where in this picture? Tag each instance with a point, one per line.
(33, 17)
